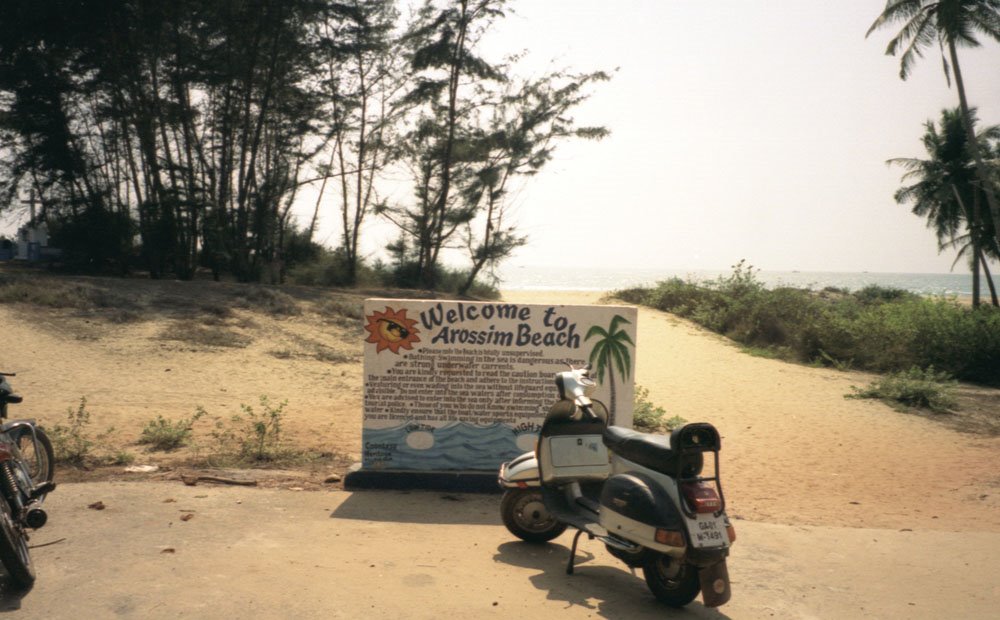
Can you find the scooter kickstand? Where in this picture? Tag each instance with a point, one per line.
(572, 551)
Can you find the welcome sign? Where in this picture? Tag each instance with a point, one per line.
(457, 385)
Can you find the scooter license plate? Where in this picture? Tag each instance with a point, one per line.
(708, 531)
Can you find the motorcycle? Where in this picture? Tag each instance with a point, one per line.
(26, 471)
(647, 497)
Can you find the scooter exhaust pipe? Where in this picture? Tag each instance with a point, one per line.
(35, 517)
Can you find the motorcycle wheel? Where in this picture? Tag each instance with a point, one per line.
(525, 515)
(14, 549)
(672, 582)
(39, 462)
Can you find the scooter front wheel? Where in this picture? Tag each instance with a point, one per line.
(673, 582)
(525, 515)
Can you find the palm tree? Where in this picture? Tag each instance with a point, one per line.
(951, 23)
(945, 191)
(610, 353)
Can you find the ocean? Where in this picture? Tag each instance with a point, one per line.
(530, 277)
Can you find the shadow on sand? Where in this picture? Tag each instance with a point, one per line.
(609, 590)
(420, 507)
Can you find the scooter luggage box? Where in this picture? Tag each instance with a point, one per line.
(574, 457)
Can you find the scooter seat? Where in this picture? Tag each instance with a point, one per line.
(648, 450)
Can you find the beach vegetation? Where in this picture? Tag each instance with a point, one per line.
(650, 417)
(121, 458)
(163, 434)
(253, 436)
(915, 387)
(329, 268)
(75, 443)
(876, 329)
(205, 335)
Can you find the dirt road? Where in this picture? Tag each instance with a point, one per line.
(254, 553)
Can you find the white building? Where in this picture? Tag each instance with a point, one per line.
(31, 240)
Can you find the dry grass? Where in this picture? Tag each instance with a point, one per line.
(207, 336)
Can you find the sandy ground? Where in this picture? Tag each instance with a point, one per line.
(851, 508)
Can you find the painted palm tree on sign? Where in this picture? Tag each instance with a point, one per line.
(950, 23)
(611, 354)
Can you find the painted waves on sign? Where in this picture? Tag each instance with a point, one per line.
(455, 446)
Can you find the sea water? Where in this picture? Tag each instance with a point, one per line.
(532, 277)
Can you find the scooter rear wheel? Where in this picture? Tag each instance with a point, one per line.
(525, 515)
(673, 582)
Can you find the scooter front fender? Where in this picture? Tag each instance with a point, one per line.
(520, 473)
(715, 590)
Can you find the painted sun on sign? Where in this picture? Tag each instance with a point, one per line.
(391, 330)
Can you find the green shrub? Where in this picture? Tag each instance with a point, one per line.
(925, 389)
(73, 442)
(254, 435)
(648, 417)
(162, 434)
(874, 294)
(330, 268)
(877, 328)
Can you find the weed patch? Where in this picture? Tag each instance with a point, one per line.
(51, 293)
(162, 434)
(269, 301)
(74, 443)
(254, 436)
(924, 389)
(209, 336)
(648, 417)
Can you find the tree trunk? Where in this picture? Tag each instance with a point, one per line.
(989, 280)
(975, 272)
(441, 206)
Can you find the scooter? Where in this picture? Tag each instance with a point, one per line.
(647, 497)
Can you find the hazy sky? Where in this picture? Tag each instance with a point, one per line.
(740, 129)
